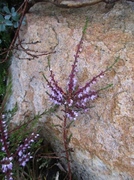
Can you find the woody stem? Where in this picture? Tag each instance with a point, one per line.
(66, 146)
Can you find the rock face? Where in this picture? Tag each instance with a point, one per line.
(103, 138)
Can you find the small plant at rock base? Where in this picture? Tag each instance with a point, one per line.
(21, 155)
(19, 144)
(75, 98)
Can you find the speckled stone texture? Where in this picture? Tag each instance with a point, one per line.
(103, 138)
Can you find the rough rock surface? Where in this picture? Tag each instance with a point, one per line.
(103, 138)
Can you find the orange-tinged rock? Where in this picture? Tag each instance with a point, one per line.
(103, 138)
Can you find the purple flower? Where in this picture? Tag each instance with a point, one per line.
(23, 155)
(7, 164)
(24, 159)
(75, 98)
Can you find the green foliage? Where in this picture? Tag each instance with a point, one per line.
(16, 135)
(2, 154)
(24, 129)
(85, 27)
(9, 19)
(3, 75)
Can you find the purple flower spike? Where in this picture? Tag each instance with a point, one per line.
(7, 164)
(22, 152)
(23, 156)
(57, 94)
(75, 98)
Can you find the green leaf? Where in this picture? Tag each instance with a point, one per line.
(110, 67)
(15, 18)
(16, 25)
(7, 17)
(6, 9)
(8, 23)
(2, 27)
(85, 27)
(1, 18)
(69, 138)
(12, 10)
(14, 14)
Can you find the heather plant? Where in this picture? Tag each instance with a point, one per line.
(22, 153)
(19, 145)
(74, 99)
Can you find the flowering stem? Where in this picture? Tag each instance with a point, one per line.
(108, 68)
(106, 87)
(4, 135)
(66, 145)
(74, 98)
